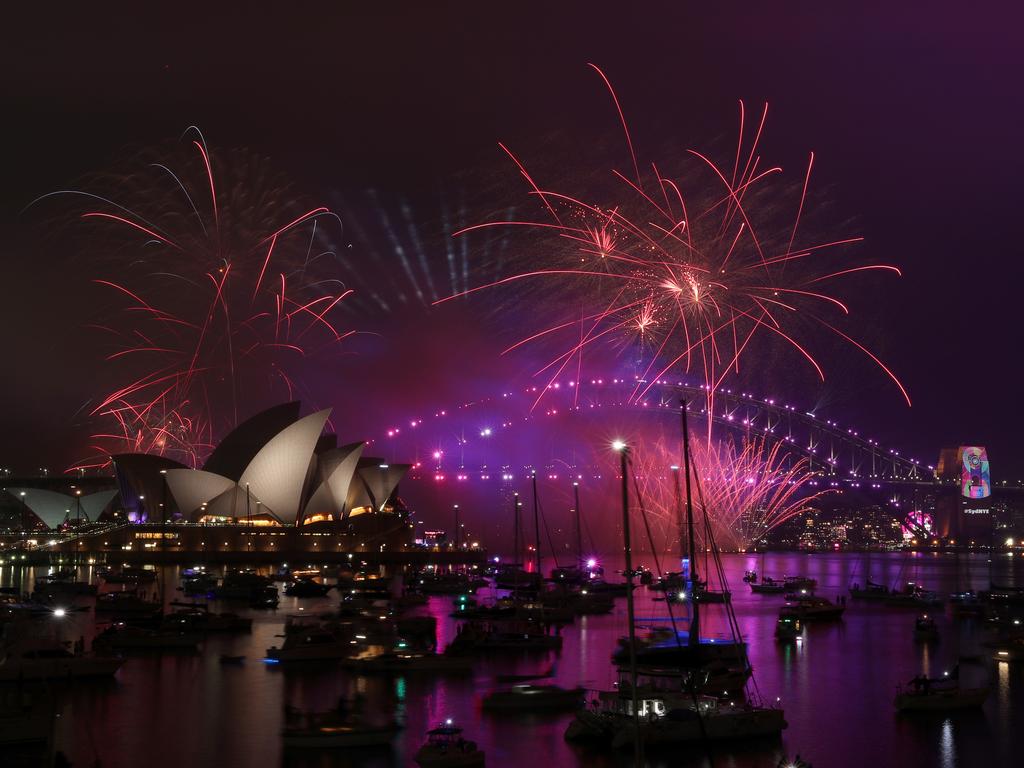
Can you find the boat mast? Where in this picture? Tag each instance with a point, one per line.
(680, 518)
(515, 526)
(579, 526)
(536, 523)
(694, 637)
(628, 551)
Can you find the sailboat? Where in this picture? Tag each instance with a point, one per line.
(512, 575)
(660, 703)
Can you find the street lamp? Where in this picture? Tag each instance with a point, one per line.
(24, 513)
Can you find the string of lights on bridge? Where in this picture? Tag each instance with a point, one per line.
(743, 411)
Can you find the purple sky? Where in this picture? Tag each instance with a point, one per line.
(914, 117)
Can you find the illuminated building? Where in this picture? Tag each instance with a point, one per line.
(273, 469)
(964, 511)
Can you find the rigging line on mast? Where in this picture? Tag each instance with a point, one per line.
(729, 611)
(650, 538)
(547, 532)
(675, 632)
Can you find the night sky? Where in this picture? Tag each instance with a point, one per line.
(915, 117)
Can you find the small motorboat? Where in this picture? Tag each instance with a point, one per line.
(794, 583)
(768, 586)
(445, 748)
(941, 694)
(870, 591)
(812, 608)
(914, 595)
(750, 577)
(63, 587)
(306, 587)
(531, 698)
(55, 662)
(311, 645)
(925, 629)
(198, 618)
(126, 603)
(402, 661)
(788, 628)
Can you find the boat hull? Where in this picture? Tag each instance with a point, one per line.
(966, 698)
(59, 669)
(621, 731)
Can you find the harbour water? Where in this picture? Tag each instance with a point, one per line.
(836, 685)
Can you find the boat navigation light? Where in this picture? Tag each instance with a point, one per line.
(448, 721)
(59, 612)
(592, 562)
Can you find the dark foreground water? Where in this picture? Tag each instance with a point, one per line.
(836, 686)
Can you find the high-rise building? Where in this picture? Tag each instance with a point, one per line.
(964, 509)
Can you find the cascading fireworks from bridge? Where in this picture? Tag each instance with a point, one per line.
(223, 282)
(695, 280)
(748, 486)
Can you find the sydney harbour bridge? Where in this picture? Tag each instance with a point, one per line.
(461, 440)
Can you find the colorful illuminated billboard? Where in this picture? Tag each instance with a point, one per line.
(975, 480)
(917, 524)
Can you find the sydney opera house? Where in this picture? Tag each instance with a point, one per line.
(275, 484)
(274, 469)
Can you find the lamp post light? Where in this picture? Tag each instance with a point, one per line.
(24, 514)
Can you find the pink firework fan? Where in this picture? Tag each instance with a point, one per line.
(748, 488)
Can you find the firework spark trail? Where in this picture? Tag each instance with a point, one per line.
(700, 284)
(253, 302)
(749, 488)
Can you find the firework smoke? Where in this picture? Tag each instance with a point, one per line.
(694, 272)
(747, 488)
(223, 286)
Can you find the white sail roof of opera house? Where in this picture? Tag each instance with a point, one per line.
(53, 508)
(380, 480)
(191, 488)
(337, 468)
(286, 470)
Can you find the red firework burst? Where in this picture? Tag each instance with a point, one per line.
(222, 291)
(697, 278)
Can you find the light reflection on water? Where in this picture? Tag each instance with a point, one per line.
(836, 685)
